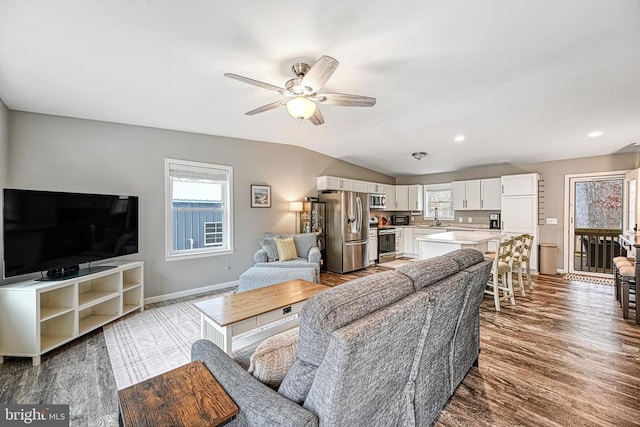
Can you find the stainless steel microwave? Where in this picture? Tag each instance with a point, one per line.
(378, 201)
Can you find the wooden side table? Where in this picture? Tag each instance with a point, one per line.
(185, 396)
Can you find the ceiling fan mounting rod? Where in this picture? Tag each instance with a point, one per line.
(300, 69)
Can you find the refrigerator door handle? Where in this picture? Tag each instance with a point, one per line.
(357, 242)
(358, 214)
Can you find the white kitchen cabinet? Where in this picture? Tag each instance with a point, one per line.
(407, 240)
(398, 241)
(390, 191)
(465, 195)
(359, 186)
(333, 183)
(402, 198)
(519, 212)
(415, 197)
(374, 188)
(491, 196)
(373, 246)
(519, 185)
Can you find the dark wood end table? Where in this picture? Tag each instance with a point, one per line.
(185, 396)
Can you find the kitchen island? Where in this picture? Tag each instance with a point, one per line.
(433, 245)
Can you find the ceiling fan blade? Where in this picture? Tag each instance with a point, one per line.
(319, 73)
(346, 100)
(317, 118)
(254, 82)
(264, 108)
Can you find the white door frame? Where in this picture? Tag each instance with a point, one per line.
(568, 209)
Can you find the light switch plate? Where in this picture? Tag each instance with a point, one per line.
(460, 219)
(552, 221)
(470, 219)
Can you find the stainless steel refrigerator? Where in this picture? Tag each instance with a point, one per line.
(347, 230)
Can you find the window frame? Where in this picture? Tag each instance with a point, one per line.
(207, 251)
(436, 187)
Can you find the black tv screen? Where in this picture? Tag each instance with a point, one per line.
(56, 231)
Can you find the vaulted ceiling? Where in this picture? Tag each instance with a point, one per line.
(523, 81)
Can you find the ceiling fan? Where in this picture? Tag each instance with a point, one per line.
(301, 93)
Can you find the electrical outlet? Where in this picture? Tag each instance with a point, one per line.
(552, 221)
(470, 219)
(460, 219)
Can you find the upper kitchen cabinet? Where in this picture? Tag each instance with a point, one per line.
(491, 196)
(402, 198)
(520, 185)
(465, 195)
(334, 183)
(375, 188)
(476, 195)
(389, 191)
(416, 195)
(360, 186)
(408, 198)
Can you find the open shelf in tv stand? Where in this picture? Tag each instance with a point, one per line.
(37, 316)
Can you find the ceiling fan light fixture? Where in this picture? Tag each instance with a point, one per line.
(418, 155)
(301, 108)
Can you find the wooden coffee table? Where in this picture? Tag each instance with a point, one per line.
(186, 396)
(228, 316)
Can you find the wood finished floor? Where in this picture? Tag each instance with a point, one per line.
(563, 356)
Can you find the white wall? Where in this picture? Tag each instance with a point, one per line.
(64, 154)
(4, 164)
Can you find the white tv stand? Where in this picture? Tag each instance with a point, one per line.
(36, 317)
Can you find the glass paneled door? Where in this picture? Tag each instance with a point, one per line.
(597, 220)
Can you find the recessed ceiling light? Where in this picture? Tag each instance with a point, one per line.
(595, 134)
(459, 138)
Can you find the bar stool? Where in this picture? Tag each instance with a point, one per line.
(618, 262)
(628, 285)
(501, 277)
(519, 247)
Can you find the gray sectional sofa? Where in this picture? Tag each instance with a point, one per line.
(386, 349)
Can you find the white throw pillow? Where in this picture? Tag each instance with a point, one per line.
(274, 356)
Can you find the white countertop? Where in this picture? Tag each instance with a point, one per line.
(461, 237)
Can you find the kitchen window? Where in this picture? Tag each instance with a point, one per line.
(199, 211)
(438, 196)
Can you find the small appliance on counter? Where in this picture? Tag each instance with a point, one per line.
(494, 221)
(400, 219)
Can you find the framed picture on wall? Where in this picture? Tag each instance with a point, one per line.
(260, 196)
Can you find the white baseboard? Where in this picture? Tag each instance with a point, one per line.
(190, 292)
(560, 271)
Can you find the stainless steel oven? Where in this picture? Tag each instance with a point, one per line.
(386, 244)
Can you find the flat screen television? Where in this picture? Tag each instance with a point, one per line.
(57, 231)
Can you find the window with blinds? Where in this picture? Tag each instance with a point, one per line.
(199, 210)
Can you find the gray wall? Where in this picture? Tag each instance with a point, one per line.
(552, 173)
(4, 154)
(64, 154)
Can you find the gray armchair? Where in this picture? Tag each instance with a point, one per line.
(306, 248)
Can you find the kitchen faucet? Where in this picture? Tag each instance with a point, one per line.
(435, 217)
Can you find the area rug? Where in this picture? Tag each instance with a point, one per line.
(143, 345)
(589, 279)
